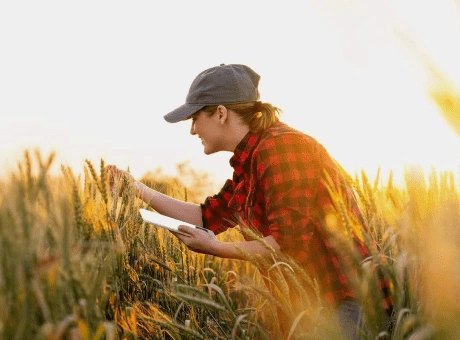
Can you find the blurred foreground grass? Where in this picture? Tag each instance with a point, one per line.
(79, 263)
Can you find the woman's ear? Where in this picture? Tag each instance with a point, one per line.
(222, 113)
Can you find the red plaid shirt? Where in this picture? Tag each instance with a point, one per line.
(278, 187)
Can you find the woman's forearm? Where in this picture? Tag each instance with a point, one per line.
(166, 205)
(239, 250)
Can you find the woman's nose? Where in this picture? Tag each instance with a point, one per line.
(192, 129)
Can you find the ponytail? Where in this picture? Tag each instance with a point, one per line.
(257, 115)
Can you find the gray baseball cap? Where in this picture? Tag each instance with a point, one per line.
(219, 85)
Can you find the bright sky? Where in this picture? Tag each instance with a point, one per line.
(93, 79)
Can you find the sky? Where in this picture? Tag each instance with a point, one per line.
(92, 80)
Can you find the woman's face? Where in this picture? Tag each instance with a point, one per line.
(209, 130)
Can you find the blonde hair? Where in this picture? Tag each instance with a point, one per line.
(257, 115)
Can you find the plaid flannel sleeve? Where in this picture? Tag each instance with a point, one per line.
(214, 211)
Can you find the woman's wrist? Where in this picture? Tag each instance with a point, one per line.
(144, 193)
(139, 188)
(214, 248)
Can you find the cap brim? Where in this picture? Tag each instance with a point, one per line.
(182, 112)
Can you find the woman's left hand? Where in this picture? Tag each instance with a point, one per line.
(117, 178)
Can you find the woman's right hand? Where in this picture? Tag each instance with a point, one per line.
(117, 178)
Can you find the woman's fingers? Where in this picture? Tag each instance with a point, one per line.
(198, 240)
(117, 178)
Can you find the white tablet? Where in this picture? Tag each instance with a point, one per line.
(166, 222)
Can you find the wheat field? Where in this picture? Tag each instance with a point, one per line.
(77, 262)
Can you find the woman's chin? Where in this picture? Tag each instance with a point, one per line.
(208, 151)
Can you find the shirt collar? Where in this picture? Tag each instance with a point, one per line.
(242, 152)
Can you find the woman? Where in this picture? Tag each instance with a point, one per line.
(280, 185)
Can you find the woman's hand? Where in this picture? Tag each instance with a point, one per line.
(202, 242)
(199, 240)
(117, 178)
